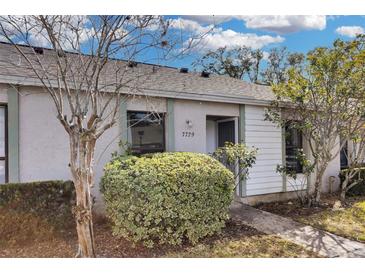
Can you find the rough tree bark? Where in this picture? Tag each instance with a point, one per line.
(320, 169)
(82, 150)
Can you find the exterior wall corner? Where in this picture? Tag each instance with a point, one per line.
(123, 122)
(13, 134)
(170, 125)
(242, 186)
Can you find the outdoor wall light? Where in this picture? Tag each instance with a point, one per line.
(189, 123)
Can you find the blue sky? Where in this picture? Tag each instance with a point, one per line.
(297, 33)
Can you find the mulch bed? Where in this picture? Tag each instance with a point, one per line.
(110, 246)
(65, 244)
(295, 210)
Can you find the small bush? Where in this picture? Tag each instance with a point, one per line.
(51, 200)
(358, 189)
(166, 198)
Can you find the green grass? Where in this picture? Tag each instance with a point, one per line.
(348, 222)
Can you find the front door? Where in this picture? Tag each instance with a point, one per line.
(226, 132)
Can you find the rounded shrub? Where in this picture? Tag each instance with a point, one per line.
(167, 198)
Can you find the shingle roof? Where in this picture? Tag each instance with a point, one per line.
(154, 80)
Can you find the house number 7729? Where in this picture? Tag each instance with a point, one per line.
(188, 134)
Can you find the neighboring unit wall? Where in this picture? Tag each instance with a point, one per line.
(44, 143)
(44, 149)
(267, 137)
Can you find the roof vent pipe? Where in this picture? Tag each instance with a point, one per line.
(205, 74)
(38, 50)
(184, 70)
(132, 64)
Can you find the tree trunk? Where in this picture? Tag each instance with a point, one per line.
(344, 188)
(84, 224)
(318, 183)
(81, 165)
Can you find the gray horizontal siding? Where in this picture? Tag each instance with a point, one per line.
(265, 136)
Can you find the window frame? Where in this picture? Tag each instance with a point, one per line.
(163, 115)
(299, 166)
(6, 157)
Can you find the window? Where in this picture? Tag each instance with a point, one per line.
(146, 132)
(3, 144)
(344, 156)
(293, 143)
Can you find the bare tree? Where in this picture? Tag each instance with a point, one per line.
(248, 64)
(237, 63)
(279, 60)
(82, 72)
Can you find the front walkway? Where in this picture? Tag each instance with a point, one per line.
(324, 243)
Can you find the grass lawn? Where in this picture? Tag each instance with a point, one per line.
(25, 235)
(347, 221)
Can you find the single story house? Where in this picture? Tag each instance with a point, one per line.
(191, 111)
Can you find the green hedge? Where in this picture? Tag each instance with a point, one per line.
(167, 198)
(359, 189)
(51, 200)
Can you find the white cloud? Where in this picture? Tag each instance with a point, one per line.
(189, 25)
(283, 24)
(350, 31)
(213, 38)
(231, 39)
(265, 55)
(280, 24)
(209, 19)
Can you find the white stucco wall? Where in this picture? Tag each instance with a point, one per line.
(197, 112)
(211, 136)
(44, 144)
(333, 169)
(3, 93)
(143, 103)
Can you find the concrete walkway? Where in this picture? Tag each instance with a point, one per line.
(324, 243)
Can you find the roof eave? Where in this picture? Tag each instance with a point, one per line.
(14, 80)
